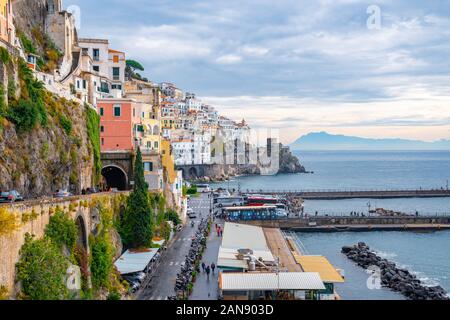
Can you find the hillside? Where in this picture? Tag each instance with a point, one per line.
(46, 142)
(326, 141)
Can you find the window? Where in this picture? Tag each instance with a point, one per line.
(116, 59)
(134, 112)
(148, 166)
(102, 129)
(103, 141)
(117, 111)
(156, 145)
(84, 84)
(96, 54)
(96, 68)
(116, 73)
(102, 111)
(78, 84)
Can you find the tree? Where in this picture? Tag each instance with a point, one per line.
(42, 270)
(136, 227)
(132, 66)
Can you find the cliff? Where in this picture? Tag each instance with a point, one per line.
(289, 163)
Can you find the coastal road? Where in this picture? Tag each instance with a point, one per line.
(163, 280)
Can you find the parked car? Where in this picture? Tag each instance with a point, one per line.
(10, 196)
(92, 190)
(62, 194)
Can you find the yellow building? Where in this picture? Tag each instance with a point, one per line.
(168, 161)
(168, 123)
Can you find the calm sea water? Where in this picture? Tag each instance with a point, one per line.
(427, 254)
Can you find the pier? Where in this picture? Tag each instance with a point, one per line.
(357, 224)
(355, 194)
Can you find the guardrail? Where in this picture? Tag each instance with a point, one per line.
(283, 191)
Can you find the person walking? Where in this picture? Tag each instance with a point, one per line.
(213, 267)
(208, 271)
(203, 267)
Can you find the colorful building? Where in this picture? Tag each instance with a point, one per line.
(7, 29)
(120, 124)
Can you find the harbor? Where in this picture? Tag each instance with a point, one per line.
(282, 218)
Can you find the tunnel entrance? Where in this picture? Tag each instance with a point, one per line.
(193, 172)
(115, 177)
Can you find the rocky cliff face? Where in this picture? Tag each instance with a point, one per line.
(29, 15)
(289, 163)
(39, 162)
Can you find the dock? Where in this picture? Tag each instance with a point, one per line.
(355, 194)
(357, 224)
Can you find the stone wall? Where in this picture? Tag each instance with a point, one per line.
(348, 221)
(33, 217)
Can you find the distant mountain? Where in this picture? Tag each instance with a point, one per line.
(326, 141)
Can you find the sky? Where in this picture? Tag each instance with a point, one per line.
(297, 66)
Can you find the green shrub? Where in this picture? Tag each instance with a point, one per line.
(42, 270)
(102, 261)
(23, 115)
(172, 215)
(5, 57)
(62, 230)
(113, 296)
(65, 123)
(3, 105)
(28, 45)
(93, 131)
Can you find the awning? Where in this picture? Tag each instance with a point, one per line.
(321, 265)
(135, 261)
(270, 281)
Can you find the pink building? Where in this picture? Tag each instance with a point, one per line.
(119, 124)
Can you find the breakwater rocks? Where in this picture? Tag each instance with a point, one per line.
(395, 278)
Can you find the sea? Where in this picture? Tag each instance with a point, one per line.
(425, 254)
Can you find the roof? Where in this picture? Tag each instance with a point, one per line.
(240, 236)
(270, 281)
(114, 51)
(135, 261)
(89, 40)
(228, 258)
(321, 265)
(249, 208)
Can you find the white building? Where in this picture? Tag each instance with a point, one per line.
(107, 66)
(192, 103)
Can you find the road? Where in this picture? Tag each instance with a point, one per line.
(163, 281)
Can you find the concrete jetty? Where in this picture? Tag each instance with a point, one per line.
(355, 194)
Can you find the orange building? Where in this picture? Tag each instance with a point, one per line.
(120, 124)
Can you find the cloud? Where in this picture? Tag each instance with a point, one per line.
(294, 64)
(229, 59)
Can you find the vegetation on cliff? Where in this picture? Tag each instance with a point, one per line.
(62, 230)
(93, 132)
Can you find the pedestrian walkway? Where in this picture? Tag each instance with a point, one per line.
(205, 289)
